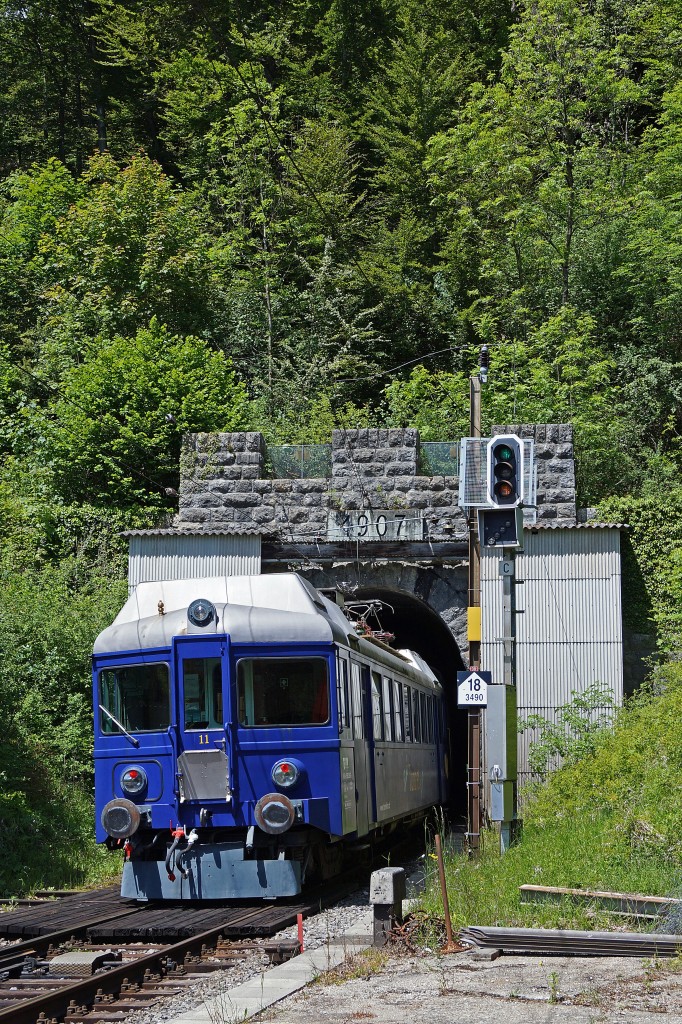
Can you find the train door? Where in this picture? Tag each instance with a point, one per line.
(362, 743)
(202, 700)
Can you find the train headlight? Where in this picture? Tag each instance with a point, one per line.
(134, 780)
(274, 813)
(201, 612)
(286, 773)
(120, 818)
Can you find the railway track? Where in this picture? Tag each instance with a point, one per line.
(102, 966)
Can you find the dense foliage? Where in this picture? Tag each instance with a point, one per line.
(225, 215)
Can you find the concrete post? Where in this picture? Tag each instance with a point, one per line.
(386, 894)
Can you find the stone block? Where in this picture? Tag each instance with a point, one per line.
(225, 473)
(557, 496)
(361, 455)
(262, 514)
(248, 458)
(250, 472)
(544, 451)
(221, 516)
(443, 499)
(312, 500)
(244, 517)
(312, 485)
(262, 486)
(416, 499)
(244, 500)
(566, 510)
(546, 512)
(220, 486)
(207, 500)
(194, 516)
(558, 433)
(282, 486)
(222, 458)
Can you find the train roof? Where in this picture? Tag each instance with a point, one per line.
(272, 608)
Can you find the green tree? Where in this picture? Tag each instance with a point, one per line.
(108, 436)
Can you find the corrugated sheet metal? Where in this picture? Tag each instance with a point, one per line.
(163, 555)
(569, 624)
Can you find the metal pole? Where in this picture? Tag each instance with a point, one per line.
(444, 893)
(509, 618)
(474, 717)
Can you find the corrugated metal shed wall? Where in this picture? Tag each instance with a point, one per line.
(179, 557)
(569, 623)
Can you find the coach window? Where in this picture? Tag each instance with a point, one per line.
(398, 731)
(416, 721)
(388, 710)
(425, 724)
(136, 696)
(282, 691)
(407, 712)
(377, 710)
(356, 687)
(203, 693)
(343, 696)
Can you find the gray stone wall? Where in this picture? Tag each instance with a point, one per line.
(223, 482)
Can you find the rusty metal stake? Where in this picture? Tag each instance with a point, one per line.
(450, 945)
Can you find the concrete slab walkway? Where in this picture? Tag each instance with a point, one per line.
(272, 985)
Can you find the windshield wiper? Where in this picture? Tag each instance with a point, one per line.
(125, 732)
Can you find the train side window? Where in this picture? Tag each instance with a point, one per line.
(358, 730)
(429, 719)
(398, 731)
(416, 721)
(407, 713)
(343, 696)
(377, 709)
(425, 726)
(388, 708)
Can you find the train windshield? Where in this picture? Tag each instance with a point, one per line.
(283, 691)
(137, 696)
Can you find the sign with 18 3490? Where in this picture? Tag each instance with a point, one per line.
(472, 689)
(372, 524)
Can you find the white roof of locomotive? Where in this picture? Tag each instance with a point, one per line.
(271, 608)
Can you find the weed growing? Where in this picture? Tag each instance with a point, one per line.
(611, 820)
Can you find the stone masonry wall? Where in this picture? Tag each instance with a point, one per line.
(224, 483)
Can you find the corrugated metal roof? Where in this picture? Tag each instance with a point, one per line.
(562, 524)
(238, 530)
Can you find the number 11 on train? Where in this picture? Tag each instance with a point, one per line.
(472, 689)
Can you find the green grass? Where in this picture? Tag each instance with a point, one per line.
(610, 821)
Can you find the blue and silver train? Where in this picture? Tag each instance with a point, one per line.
(246, 735)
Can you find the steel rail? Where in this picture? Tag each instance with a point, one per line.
(56, 1003)
(82, 992)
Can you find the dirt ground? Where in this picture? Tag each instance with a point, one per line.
(458, 989)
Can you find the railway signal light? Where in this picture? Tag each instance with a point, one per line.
(505, 471)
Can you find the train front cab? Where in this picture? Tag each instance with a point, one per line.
(256, 759)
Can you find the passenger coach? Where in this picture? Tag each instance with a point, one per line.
(246, 734)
